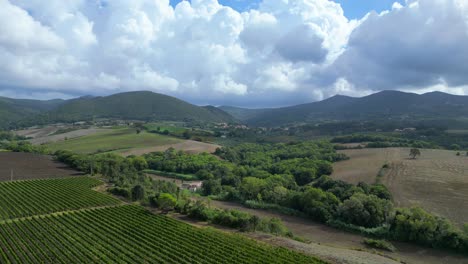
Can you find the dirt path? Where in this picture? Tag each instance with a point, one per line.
(190, 146)
(344, 247)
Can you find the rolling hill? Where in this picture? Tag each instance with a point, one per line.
(382, 105)
(140, 105)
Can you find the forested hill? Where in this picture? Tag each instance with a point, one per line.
(12, 110)
(383, 105)
(140, 105)
(136, 105)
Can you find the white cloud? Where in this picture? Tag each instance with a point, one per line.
(410, 48)
(279, 53)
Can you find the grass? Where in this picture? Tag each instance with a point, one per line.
(114, 140)
(173, 175)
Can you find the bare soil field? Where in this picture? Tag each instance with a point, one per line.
(189, 146)
(436, 181)
(339, 246)
(27, 166)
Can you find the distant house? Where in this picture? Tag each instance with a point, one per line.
(192, 186)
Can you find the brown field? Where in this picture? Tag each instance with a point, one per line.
(436, 181)
(31, 166)
(189, 146)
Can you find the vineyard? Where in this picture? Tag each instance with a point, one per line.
(32, 197)
(128, 234)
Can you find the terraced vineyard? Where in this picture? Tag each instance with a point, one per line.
(129, 234)
(33, 197)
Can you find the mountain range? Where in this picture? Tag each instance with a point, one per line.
(149, 106)
(382, 105)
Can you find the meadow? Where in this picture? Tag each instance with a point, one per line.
(116, 140)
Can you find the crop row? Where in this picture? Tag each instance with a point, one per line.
(32, 197)
(129, 234)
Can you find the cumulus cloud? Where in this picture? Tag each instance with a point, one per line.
(421, 45)
(281, 52)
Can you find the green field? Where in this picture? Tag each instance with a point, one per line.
(129, 234)
(114, 140)
(175, 128)
(33, 197)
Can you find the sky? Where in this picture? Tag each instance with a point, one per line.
(257, 53)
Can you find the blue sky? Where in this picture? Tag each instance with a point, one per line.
(353, 9)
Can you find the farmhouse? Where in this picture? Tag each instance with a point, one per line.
(192, 186)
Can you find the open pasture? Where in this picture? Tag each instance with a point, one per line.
(436, 181)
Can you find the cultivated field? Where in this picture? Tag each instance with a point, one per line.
(437, 181)
(117, 140)
(31, 166)
(32, 197)
(129, 234)
(52, 133)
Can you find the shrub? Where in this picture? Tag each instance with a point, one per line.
(119, 191)
(166, 201)
(379, 244)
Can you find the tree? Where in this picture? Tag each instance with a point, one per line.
(212, 186)
(414, 152)
(365, 210)
(138, 193)
(139, 163)
(186, 134)
(455, 147)
(166, 201)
